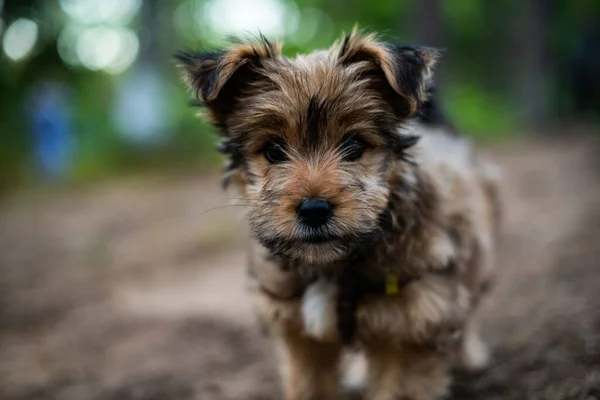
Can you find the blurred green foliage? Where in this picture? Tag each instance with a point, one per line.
(482, 75)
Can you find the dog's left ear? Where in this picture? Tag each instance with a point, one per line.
(407, 70)
(219, 79)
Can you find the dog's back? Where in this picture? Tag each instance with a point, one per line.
(468, 187)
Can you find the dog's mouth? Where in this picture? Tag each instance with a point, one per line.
(318, 236)
(316, 246)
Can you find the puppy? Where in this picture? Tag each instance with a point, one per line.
(372, 221)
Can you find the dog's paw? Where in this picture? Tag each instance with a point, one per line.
(319, 310)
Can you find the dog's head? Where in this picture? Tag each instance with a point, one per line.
(313, 142)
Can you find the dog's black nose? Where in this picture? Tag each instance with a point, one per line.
(315, 212)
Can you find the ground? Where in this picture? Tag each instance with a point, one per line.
(135, 289)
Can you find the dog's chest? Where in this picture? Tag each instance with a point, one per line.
(319, 309)
(328, 308)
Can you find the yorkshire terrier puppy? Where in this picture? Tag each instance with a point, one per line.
(373, 222)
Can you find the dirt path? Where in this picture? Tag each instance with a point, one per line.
(135, 291)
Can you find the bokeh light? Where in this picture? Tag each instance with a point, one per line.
(232, 17)
(20, 38)
(105, 11)
(106, 48)
(67, 43)
(142, 109)
(97, 36)
(314, 20)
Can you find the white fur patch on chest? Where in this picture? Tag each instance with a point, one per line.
(319, 310)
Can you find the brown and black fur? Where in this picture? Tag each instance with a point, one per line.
(417, 203)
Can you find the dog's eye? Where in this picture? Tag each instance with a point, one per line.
(352, 147)
(274, 153)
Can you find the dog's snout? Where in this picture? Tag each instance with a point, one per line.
(315, 212)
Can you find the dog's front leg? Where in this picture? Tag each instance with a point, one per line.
(406, 373)
(305, 335)
(310, 368)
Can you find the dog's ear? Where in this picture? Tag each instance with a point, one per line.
(407, 70)
(219, 78)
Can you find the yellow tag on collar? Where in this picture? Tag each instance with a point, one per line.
(391, 283)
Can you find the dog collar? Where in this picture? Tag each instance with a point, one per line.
(391, 283)
(354, 287)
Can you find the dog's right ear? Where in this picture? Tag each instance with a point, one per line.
(407, 70)
(218, 79)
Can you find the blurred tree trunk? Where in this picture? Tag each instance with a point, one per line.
(495, 45)
(429, 30)
(149, 44)
(429, 24)
(534, 68)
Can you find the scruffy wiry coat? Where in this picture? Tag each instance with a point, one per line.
(399, 268)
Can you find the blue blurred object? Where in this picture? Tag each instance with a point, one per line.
(52, 133)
